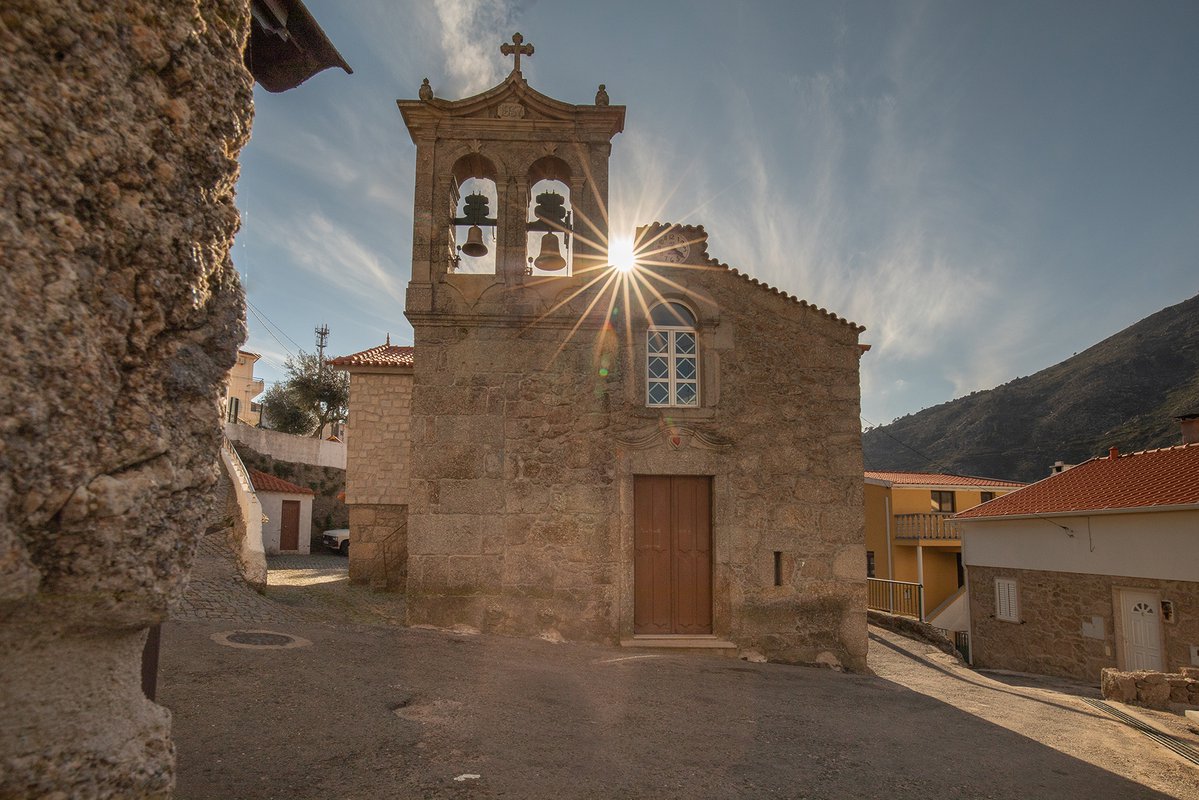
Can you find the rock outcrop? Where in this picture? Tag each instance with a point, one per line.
(120, 127)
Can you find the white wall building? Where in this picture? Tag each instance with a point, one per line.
(288, 511)
(1093, 567)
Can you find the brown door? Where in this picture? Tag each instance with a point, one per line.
(289, 526)
(672, 561)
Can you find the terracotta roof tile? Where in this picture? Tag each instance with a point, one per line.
(264, 482)
(1166, 477)
(938, 479)
(385, 355)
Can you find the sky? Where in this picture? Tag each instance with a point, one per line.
(987, 187)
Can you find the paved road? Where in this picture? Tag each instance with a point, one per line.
(372, 710)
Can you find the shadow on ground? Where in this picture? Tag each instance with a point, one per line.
(374, 711)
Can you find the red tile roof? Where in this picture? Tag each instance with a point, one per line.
(939, 479)
(272, 483)
(385, 355)
(1149, 479)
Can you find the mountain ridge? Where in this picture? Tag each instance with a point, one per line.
(1121, 392)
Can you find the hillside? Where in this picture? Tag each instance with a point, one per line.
(1124, 392)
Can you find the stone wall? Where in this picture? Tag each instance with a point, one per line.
(121, 124)
(526, 439)
(1152, 689)
(288, 447)
(379, 545)
(378, 464)
(245, 520)
(1055, 607)
(377, 475)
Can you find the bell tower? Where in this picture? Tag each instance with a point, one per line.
(511, 200)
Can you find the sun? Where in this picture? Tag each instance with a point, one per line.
(620, 253)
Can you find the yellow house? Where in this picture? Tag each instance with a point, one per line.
(241, 387)
(910, 536)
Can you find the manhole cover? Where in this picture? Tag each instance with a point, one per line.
(260, 639)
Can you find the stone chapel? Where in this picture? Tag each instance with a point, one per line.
(666, 454)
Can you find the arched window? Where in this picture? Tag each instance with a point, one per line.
(549, 217)
(473, 228)
(672, 357)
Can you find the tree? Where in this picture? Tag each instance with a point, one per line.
(312, 396)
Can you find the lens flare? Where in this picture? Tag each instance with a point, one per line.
(620, 253)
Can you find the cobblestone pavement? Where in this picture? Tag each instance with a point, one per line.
(216, 590)
(313, 587)
(319, 560)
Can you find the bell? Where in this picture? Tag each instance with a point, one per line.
(551, 259)
(474, 246)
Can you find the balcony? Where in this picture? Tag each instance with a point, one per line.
(895, 597)
(927, 526)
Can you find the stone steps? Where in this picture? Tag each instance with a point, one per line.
(675, 644)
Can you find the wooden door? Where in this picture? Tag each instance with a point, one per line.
(672, 561)
(289, 526)
(1142, 630)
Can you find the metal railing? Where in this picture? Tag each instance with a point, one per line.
(926, 526)
(895, 597)
(960, 639)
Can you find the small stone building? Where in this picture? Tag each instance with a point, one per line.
(663, 452)
(288, 512)
(1094, 567)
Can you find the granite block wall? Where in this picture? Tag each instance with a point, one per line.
(526, 438)
(1057, 634)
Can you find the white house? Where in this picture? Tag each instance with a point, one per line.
(1093, 567)
(288, 511)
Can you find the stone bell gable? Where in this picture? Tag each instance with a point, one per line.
(513, 136)
(666, 454)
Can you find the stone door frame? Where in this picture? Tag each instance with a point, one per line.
(660, 459)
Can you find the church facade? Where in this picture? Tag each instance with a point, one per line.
(665, 453)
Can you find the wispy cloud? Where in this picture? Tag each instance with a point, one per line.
(335, 254)
(470, 36)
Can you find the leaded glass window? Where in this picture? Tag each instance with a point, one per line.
(672, 357)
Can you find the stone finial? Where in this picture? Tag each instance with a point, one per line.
(389, 332)
(426, 91)
(601, 96)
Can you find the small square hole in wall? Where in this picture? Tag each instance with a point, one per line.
(1167, 611)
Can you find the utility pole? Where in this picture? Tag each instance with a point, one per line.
(322, 336)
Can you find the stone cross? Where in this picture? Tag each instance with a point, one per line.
(516, 49)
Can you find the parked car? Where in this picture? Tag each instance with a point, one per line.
(337, 539)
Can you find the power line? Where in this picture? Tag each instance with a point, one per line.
(265, 320)
(924, 456)
(268, 330)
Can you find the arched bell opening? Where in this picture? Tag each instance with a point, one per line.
(474, 219)
(550, 218)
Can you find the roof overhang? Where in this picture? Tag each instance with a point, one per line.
(1082, 512)
(287, 46)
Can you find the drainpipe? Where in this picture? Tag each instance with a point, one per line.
(890, 566)
(920, 574)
